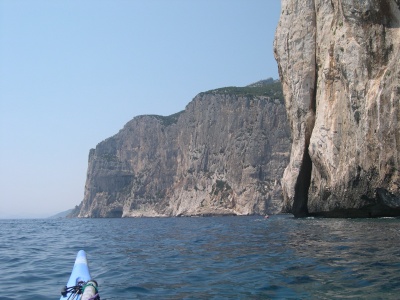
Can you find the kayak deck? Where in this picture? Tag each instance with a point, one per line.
(80, 273)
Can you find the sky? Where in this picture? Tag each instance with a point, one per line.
(72, 73)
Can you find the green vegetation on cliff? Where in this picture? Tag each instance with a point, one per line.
(268, 88)
(264, 88)
(168, 120)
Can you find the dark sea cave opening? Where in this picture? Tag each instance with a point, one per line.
(300, 201)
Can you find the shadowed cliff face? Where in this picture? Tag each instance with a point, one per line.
(223, 155)
(339, 67)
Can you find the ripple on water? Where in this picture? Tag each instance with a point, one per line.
(205, 258)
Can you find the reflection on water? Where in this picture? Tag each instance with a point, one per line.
(205, 258)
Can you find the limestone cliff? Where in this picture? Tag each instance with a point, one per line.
(224, 154)
(339, 66)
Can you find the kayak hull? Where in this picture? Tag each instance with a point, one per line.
(80, 272)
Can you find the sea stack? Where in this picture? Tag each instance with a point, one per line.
(339, 67)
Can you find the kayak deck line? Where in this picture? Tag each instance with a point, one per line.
(80, 285)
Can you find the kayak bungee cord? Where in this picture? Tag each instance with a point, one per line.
(79, 289)
(80, 285)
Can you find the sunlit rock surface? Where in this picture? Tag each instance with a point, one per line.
(223, 155)
(340, 71)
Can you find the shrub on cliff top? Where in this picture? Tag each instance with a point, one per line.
(168, 120)
(267, 88)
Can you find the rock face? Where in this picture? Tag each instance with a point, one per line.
(340, 72)
(224, 154)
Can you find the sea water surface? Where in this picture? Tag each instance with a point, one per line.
(205, 258)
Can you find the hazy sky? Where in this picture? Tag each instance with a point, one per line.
(72, 73)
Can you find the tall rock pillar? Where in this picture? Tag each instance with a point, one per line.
(339, 66)
(295, 46)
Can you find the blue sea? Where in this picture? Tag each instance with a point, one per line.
(205, 258)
